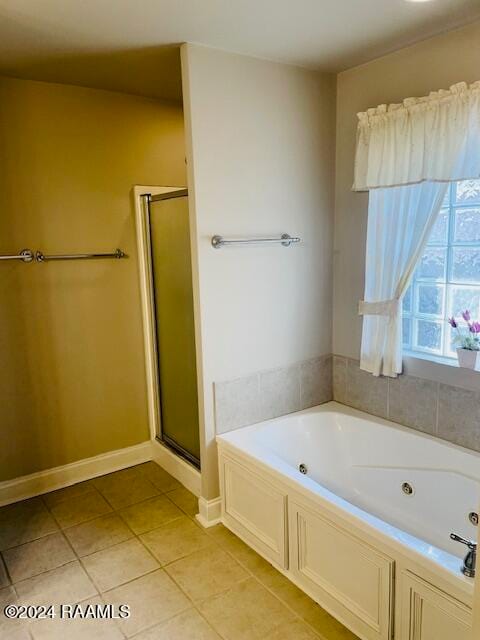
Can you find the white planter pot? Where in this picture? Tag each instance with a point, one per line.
(468, 359)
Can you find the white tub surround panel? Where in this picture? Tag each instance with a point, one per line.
(426, 610)
(272, 393)
(255, 507)
(330, 481)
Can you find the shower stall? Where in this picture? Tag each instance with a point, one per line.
(168, 271)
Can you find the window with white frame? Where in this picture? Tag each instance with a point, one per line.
(447, 278)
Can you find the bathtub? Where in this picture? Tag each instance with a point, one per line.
(357, 511)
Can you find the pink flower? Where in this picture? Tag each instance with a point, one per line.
(466, 315)
(474, 327)
(452, 322)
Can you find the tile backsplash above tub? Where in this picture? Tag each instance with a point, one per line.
(272, 393)
(448, 412)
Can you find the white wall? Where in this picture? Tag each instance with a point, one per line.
(260, 150)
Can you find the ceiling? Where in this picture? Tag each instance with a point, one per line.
(132, 45)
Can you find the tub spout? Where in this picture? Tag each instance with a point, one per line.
(470, 560)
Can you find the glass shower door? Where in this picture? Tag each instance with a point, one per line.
(174, 324)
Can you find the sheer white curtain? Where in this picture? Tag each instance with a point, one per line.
(399, 222)
(406, 156)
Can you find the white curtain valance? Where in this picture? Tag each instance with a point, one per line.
(435, 138)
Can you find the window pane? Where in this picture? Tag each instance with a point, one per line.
(439, 233)
(407, 301)
(433, 264)
(466, 264)
(467, 225)
(468, 191)
(446, 200)
(447, 278)
(406, 331)
(430, 299)
(429, 335)
(462, 298)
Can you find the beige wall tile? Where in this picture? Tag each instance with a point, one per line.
(38, 556)
(24, 521)
(459, 416)
(413, 402)
(98, 534)
(152, 599)
(237, 403)
(279, 391)
(315, 382)
(206, 573)
(67, 584)
(366, 392)
(150, 514)
(187, 626)
(82, 508)
(271, 393)
(175, 540)
(247, 611)
(339, 378)
(119, 564)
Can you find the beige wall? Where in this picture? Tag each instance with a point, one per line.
(72, 381)
(415, 71)
(260, 145)
(430, 65)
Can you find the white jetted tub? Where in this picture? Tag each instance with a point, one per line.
(358, 512)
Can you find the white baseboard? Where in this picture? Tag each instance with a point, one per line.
(210, 512)
(177, 467)
(59, 477)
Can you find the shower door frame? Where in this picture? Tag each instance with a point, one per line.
(143, 196)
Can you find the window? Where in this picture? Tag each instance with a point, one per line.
(447, 279)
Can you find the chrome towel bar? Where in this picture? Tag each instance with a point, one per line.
(25, 255)
(285, 239)
(118, 253)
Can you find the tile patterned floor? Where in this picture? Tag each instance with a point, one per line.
(131, 538)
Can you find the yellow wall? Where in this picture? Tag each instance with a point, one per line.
(72, 382)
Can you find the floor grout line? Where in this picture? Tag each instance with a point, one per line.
(266, 587)
(195, 605)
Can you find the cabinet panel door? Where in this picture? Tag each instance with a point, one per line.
(344, 574)
(431, 614)
(256, 510)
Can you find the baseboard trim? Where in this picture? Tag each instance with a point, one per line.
(177, 467)
(59, 477)
(210, 512)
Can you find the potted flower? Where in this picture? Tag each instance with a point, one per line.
(468, 339)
